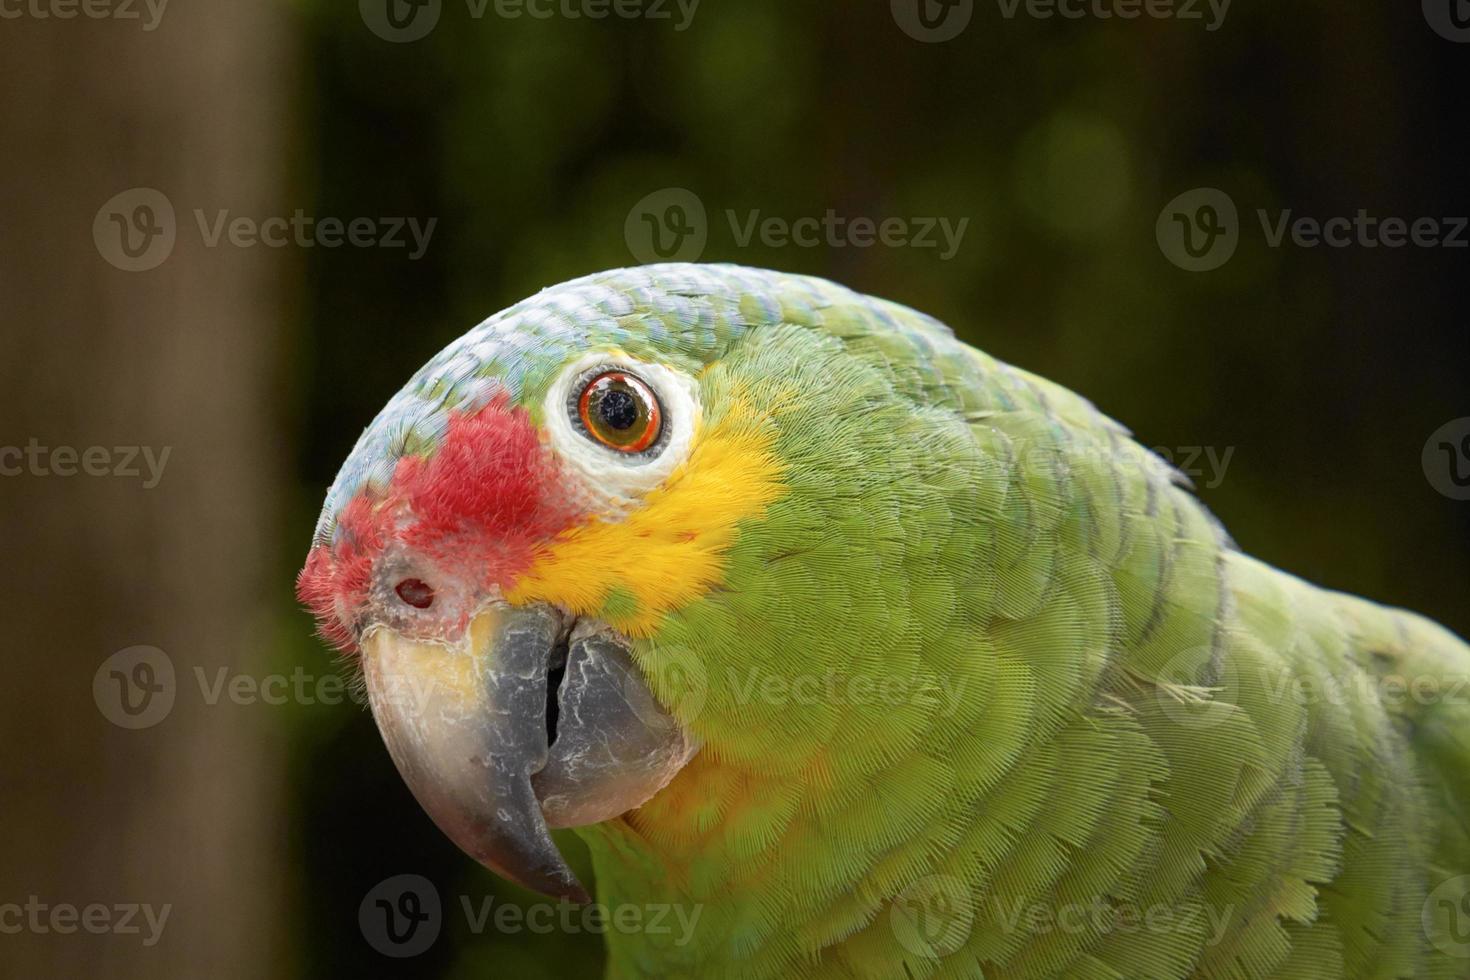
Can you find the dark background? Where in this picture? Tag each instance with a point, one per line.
(1324, 370)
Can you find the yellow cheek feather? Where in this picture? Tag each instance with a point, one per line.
(671, 550)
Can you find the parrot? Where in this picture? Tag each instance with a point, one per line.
(877, 656)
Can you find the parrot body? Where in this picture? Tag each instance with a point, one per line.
(979, 689)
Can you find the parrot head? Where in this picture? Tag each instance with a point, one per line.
(594, 545)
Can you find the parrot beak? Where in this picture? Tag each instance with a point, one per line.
(531, 720)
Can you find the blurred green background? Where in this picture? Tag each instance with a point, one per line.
(529, 141)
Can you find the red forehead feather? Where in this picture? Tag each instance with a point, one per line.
(481, 503)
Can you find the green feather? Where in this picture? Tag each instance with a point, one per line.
(1095, 708)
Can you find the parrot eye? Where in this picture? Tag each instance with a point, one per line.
(415, 592)
(622, 425)
(620, 411)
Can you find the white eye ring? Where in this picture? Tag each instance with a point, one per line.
(613, 478)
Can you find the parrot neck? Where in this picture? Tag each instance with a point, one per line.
(730, 875)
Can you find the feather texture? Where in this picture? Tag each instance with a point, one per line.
(983, 690)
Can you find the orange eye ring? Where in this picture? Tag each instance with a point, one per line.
(620, 411)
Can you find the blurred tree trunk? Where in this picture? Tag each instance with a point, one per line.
(183, 813)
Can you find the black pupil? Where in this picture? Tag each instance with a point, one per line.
(618, 409)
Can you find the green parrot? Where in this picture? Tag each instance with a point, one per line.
(873, 656)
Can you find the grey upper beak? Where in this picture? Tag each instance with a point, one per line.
(466, 724)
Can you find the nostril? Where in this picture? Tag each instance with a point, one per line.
(556, 672)
(415, 592)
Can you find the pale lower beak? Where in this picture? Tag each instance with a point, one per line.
(466, 724)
